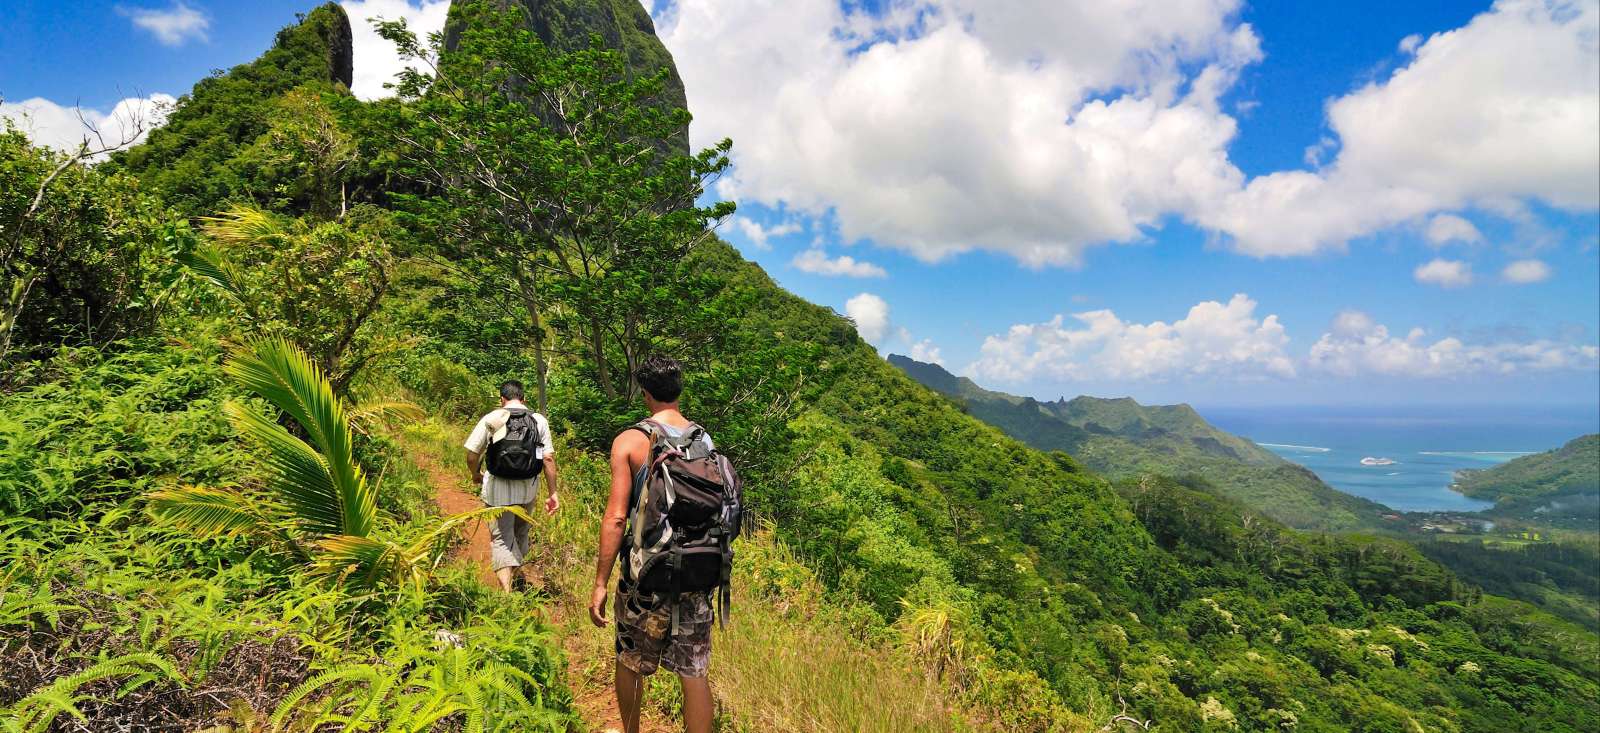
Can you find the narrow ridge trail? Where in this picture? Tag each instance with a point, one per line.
(588, 670)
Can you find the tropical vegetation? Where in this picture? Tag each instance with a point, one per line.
(222, 512)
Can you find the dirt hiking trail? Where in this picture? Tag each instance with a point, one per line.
(588, 662)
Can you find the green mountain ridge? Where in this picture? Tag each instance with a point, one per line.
(1573, 468)
(621, 25)
(200, 156)
(1120, 437)
(1560, 486)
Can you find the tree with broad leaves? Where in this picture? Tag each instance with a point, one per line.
(85, 256)
(551, 172)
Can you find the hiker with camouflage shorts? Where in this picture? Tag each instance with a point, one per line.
(673, 513)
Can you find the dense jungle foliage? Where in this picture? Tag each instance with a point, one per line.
(216, 515)
(1562, 577)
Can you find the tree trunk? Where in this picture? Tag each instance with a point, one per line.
(630, 354)
(12, 312)
(530, 300)
(598, 348)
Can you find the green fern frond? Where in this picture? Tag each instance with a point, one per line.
(377, 695)
(424, 719)
(488, 680)
(20, 602)
(40, 709)
(37, 711)
(475, 708)
(342, 674)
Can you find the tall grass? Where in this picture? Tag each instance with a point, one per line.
(789, 662)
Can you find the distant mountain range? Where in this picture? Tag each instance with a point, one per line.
(1120, 438)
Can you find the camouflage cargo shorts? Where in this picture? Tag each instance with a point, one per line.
(645, 639)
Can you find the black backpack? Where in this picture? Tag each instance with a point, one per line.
(516, 456)
(684, 514)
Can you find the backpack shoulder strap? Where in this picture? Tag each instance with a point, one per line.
(650, 428)
(495, 421)
(653, 432)
(696, 437)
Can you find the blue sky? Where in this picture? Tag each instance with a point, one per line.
(1329, 176)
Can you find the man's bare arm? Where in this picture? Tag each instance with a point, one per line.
(624, 450)
(552, 479)
(473, 470)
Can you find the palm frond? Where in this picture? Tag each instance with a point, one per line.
(421, 545)
(359, 563)
(243, 225)
(206, 511)
(300, 476)
(286, 377)
(211, 264)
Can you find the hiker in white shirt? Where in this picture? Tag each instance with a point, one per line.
(508, 533)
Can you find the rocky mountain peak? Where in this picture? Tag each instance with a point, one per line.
(624, 25)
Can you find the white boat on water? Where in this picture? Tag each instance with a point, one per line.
(1370, 461)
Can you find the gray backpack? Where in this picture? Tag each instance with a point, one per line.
(684, 514)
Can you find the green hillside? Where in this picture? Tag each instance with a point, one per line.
(208, 151)
(1121, 438)
(1573, 468)
(223, 515)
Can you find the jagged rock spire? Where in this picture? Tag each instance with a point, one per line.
(621, 24)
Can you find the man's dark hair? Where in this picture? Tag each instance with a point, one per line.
(511, 389)
(661, 376)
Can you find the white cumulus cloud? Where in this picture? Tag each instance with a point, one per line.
(1040, 128)
(760, 235)
(1031, 128)
(1444, 273)
(926, 351)
(65, 128)
(817, 262)
(1214, 339)
(1500, 111)
(173, 26)
(871, 316)
(1358, 345)
(376, 62)
(1524, 272)
(1446, 228)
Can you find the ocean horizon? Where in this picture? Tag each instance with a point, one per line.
(1414, 452)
